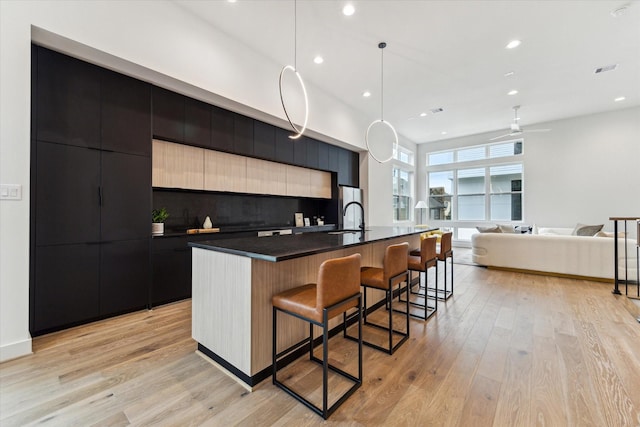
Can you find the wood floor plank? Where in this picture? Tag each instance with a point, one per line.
(507, 349)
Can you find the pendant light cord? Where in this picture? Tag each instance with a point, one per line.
(382, 84)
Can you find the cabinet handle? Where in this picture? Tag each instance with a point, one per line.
(100, 196)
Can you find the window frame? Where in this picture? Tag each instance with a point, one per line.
(486, 163)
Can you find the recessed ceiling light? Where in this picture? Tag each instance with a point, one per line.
(348, 9)
(509, 73)
(318, 59)
(620, 98)
(423, 114)
(231, 1)
(443, 133)
(513, 44)
(366, 94)
(512, 92)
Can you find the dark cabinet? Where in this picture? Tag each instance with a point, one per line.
(323, 156)
(168, 115)
(67, 199)
(348, 167)
(355, 169)
(284, 146)
(242, 135)
(334, 158)
(124, 276)
(66, 286)
(197, 123)
(171, 278)
(264, 140)
(312, 153)
(222, 122)
(125, 114)
(300, 151)
(92, 201)
(126, 197)
(68, 104)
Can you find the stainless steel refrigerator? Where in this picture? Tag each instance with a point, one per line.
(353, 217)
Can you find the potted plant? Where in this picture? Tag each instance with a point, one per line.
(158, 217)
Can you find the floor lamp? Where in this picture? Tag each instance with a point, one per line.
(421, 205)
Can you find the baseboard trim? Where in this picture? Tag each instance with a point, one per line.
(15, 350)
(548, 273)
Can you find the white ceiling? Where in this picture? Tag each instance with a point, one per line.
(450, 55)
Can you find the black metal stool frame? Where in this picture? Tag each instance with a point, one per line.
(444, 293)
(428, 310)
(325, 411)
(388, 304)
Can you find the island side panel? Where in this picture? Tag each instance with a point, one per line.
(269, 278)
(221, 305)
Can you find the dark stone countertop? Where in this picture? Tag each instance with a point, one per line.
(280, 248)
(245, 229)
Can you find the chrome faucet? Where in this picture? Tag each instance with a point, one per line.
(344, 212)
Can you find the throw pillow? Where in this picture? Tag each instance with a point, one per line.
(586, 230)
(506, 228)
(489, 229)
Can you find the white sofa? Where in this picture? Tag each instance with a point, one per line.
(555, 251)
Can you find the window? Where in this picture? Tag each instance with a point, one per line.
(470, 186)
(506, 192)
(402, 194)
(479, 152)
(440, 195)
(471, 194)
(441, 158)
(403, 155)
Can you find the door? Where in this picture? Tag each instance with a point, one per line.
(66, 286)
(67, 194)
(126, 197)
(125, 272)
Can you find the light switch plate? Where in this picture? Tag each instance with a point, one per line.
(10, 192)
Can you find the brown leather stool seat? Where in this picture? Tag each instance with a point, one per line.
(394, 272)
(337, 291)
(421, 262)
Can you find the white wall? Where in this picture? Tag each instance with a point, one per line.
(153, 41)
(586, 169)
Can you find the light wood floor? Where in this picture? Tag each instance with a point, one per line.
(509, 349)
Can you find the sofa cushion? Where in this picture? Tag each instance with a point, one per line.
(489, 229)
(586, 230)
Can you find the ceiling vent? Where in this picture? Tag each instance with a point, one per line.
(605, 68)
(436, 110)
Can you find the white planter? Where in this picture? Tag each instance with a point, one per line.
(157, 228)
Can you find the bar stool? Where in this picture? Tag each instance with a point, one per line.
(425, 259)
(445, 252)
(337, 290)
(394, 272)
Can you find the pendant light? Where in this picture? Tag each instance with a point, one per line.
(381, 121)
(294, 68)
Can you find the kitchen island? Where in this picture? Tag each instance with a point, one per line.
(234, 279)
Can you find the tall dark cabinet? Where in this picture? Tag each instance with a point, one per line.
(91, 192)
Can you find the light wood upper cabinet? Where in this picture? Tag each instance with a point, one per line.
(177, 166)
(264, 177)
(297, 181)
(225, 172)
(319, 184)
(192, 168)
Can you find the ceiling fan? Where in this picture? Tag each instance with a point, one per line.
(516, 130)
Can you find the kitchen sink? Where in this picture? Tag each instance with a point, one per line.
(345, 231)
